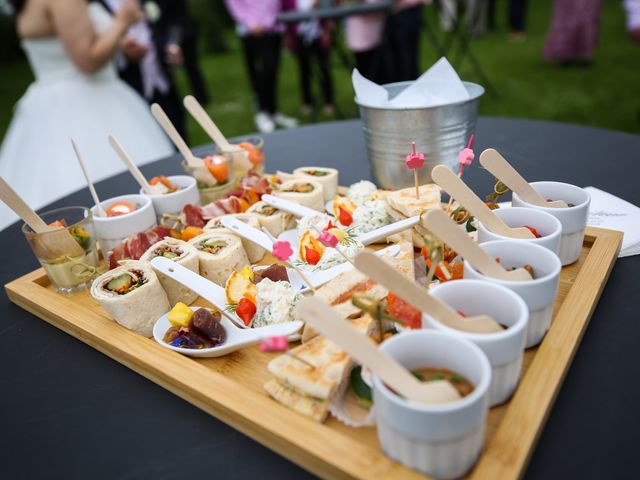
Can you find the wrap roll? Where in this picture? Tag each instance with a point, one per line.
(327, 177)
(228, 256)
(132, 295)
(274, 220)
(181, 253)
(255, 253)
(302, 191)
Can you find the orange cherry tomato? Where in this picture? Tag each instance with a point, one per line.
(191, 232)
(58, 224)
(311, 256)
(345, 217)
(120, 208)
(246, 310)
(164, 181)
(218, 167)
(256, 157)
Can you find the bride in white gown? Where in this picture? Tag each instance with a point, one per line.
(77, 94)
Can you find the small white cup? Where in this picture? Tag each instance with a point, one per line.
(548, 226)
(111, 231)
(504, 349)
(441, 440)
(538, 293)
(573, 219)
(173, 203)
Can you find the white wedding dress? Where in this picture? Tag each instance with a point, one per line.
(36, 157)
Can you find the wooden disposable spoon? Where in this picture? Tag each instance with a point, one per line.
(57, 242)
(439, 223)
(383, 273)
(200, 171)
(504, 171)
(92, 189)
(321, 317)
(455, 187)
(204, 120)
(133, 168)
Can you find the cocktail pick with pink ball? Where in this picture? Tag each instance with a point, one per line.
(415, 161)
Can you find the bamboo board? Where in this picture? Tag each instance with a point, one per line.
(230, 388)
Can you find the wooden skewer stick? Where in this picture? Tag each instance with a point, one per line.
(200, 171)
(132, 167)
(92, 189)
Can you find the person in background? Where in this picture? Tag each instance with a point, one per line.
(476, 12)
(70, 45)
(402, 41)
(310, 41)
(364, 35)
(178, 31)
(517, 20)
(261, 41)
(146, 60)
(574, 31)
(632, 8)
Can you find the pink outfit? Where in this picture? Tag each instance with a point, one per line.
(574, 31)
(255, 13)
(364, 32)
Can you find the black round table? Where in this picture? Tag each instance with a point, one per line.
(68, 411)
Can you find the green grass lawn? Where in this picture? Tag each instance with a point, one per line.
(605, 95)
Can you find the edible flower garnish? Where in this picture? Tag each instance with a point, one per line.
(282, 250)
(274, 344)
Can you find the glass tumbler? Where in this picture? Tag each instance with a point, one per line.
(69, 268)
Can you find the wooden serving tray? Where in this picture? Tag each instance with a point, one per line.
(230, 388)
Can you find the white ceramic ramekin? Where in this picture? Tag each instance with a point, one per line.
(445, 440)
(546, 225)
(573, 219)
(539, 293)
(504, 349)
(111, 231)
(172, 203)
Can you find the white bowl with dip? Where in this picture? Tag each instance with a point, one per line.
(173, 203)
(573, 219)
(440, 440)
(504, 349)
(111, 231)
(538, 293)
(548, 226)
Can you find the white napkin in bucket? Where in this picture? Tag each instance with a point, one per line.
(439, 85)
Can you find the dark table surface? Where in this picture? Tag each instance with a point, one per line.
(68, 411)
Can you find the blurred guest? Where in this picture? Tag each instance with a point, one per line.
(310, 41)
(179, 33)
(574, 31)
(76, 94)
(475, 15)
(144, 63)
(633, 19)
(261, 41)
(517, 19)
(364, 38)
(402, 40)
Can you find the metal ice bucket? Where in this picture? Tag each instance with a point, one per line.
(439, 132)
